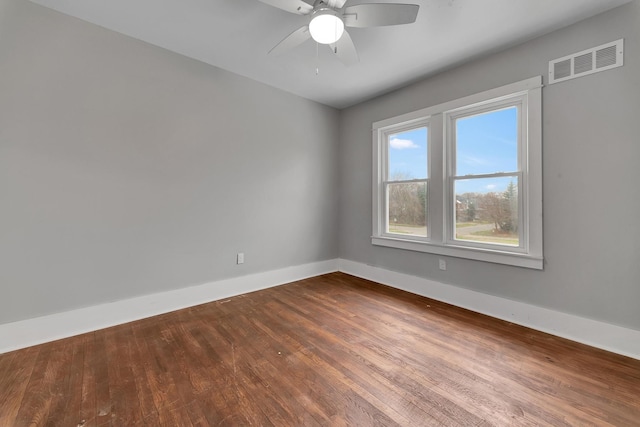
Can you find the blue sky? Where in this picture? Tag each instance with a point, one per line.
(486, 143)
(408, 154)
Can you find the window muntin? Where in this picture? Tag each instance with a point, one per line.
(406, 181)
(514, 175)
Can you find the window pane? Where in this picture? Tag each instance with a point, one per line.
(487, 210)
(487, 143)
(407, 208)
(408, 155)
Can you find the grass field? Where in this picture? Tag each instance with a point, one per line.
(482, 232)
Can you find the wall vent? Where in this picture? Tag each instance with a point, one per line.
(587, 62)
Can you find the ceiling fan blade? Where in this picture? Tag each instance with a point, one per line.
(294, 6)
(380, 14)
(345, 50)
(299, 36)
(336, 4)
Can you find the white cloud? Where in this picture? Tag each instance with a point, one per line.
(491, 187)
(401, 144)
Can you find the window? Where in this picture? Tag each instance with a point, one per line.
(464, 178)
(406, 181)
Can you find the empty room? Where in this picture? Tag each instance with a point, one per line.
(319, 213)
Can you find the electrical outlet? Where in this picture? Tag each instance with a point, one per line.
(240, 258)
(442, 264)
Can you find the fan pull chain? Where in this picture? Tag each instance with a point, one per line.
(317, 59)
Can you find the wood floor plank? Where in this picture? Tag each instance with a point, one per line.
(126, 407)
(6, 367)
(158, 369)
(34, 402)
(70, 404)
(102, 386)
(14, 381)
(330, 350)
(140, 362)
(87, 415)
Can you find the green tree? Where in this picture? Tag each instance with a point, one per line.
(471, 211)
(509, 220)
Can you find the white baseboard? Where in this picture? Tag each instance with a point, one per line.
(39, 330)
(591, 332)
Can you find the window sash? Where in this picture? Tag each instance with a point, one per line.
(518, 100)
(381, 217)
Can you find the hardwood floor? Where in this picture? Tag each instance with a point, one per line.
(332, 350)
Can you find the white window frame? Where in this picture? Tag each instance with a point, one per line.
(527, 94)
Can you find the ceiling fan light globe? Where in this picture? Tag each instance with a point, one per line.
(326, 28)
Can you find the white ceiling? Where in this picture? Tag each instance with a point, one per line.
(237, 34)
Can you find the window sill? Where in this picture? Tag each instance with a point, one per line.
(497, 257)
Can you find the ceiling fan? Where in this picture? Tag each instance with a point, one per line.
(328, 19)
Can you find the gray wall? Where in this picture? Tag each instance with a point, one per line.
(127, 170)
(591, 176)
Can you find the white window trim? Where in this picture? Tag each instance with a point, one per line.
(440, 240)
